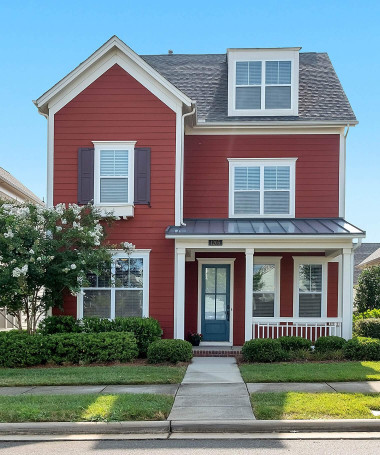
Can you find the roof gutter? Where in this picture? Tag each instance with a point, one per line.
(268, 123)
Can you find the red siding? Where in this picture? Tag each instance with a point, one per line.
(332, 290)
(206, 171)
(116, 107)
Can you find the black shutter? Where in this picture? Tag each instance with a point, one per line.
(85, 175)
(142, 176)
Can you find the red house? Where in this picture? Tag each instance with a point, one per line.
(228, 174)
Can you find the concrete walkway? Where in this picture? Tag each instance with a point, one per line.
(333, 387)
(212, 389)
(161, 389)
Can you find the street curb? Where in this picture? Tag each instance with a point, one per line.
(275, 426)
(160, 427)
(65, 428)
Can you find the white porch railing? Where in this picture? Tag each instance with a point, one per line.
(306, 328)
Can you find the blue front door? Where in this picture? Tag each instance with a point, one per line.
(216, 302)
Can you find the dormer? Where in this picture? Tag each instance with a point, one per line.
(263, 82)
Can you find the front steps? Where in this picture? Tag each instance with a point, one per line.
(217, 351)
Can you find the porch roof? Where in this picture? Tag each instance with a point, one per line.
(211, 227)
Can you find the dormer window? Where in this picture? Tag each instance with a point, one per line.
(262, 82)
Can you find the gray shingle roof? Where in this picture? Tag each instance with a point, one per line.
(203, 78)
(361, 253)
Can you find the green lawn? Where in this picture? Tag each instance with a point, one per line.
(88, 408)
(129, 374)
(311, 372)
(294, 405)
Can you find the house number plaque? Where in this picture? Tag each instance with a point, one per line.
(215, 242)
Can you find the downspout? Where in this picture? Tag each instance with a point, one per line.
(182, 160)
(48, 155)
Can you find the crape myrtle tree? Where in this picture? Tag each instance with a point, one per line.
(45, 252)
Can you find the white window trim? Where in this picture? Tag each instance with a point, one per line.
(242, 162)
(145, 255)
(276, 260)
(263, 55)
(298, 260)
(119, 209)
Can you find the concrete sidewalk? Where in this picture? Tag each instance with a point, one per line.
(311, 387)
(160, 389)
(212, 389)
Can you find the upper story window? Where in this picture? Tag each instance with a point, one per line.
(114, 177)
(262, 187)
(262, 82)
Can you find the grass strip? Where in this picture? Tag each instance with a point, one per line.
(85, 408)
(311, 372)
(303, 406)
(81, 375)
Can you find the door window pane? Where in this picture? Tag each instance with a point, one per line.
(97, 303)
(209, 306)
(221, 280)
(210, 279)
(221, 307)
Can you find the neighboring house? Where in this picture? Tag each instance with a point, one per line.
(363, 258)
(13, 190)
(371, 260)
(228, 173)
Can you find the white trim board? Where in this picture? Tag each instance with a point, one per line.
(210, 261)
(118, 48)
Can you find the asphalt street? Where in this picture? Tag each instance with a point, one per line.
(195, 447)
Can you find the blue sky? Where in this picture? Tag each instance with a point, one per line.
(43, 40)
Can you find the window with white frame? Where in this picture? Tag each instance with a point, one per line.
(310, 287)
(263, 82)
(263, 85)
(114, 179)
(262, 188)
(121, 292)
(266, 286)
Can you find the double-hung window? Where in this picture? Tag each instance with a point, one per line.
(266, 287)
(310, 287)
(262, 187)
(263, 82)
(122, 291)
(114, 179)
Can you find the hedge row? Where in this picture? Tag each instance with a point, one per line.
(21, 350)
(291, 348)
(170, 351)
(368, 327)
(145, 330)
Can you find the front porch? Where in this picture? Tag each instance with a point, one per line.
(233, 288)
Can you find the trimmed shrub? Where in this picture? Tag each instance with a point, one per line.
(146, 330)
(369, 314)
(18, 349)
(27, 350)
(59, 324)
(263, 350)
(295, 343)
(368, 328)
(362, 349)
(329, 343)
(91, 347)
(172, 351)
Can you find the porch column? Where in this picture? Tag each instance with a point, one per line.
(179, 297)
(347, 292)
(249, 252)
